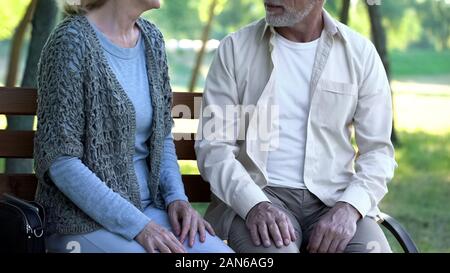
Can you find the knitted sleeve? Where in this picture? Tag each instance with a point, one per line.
(60, 100)
(167, 89)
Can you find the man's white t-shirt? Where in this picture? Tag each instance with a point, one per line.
(293, 65)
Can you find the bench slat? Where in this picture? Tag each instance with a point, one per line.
(20, 185)
(16, 144)
(187, 99)
(24, 186)
(18, 101)
(19, 144)
(23, 101)
(185, 146)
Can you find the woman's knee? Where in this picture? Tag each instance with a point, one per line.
(212, 244)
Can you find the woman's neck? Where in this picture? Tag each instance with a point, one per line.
(117, 22)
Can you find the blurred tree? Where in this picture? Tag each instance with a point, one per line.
(11, 12)
(44, 19)
(16, 44)
(400, 23)
(345, 9)
(379, 39)
(233, 16)
(333, 7)
(435, 19)
(206, 15)
(177, 19)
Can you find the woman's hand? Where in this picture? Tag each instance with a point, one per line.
(156, 238)
(184, 219)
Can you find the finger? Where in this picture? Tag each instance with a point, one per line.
(185, 226)
(343, 245)
(334, 245)
(180, 248)
(275, 233)
(292, 231)
(264, 233)
(284, 230)
(193, 232)
(201, 230)
(326, 242)
(315, 240)
(149, 247)
(174, 244)
(162, 247)
(209, 228)
(255, 235)
(175, 223)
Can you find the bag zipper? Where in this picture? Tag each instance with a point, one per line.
(28, 228)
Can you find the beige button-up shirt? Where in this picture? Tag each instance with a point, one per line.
(349, 89)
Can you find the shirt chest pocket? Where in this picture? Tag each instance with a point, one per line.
(335, 103)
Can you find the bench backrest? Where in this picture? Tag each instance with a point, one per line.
(19, 144)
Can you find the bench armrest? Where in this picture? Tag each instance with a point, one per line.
(399, 233)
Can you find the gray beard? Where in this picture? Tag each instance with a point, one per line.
(290, 17)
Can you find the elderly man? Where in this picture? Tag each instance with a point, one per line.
(298, 184)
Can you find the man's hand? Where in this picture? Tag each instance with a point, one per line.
(156, 238)
(334, 230)
(264, 219)
(184, 219)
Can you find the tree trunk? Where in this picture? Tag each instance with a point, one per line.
(201, 53)
(379, 39)
(43, 22)
(16, 45)
(345, 11)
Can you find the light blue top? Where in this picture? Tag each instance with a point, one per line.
(75, 179)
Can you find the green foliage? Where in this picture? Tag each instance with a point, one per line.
(229, 20)
(177, 19)
(11, 11)
(359, 19)
(435, 19)
(404, 31)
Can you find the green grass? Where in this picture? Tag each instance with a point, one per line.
(419, 62)
(419, 194)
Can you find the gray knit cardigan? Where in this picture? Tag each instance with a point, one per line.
(84, 112)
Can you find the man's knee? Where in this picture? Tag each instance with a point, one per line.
(369, 238)
(240, 241)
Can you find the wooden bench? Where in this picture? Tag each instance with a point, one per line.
(19, 144)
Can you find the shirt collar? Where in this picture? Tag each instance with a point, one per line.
(331, 26)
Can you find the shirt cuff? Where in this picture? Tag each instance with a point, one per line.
(358, 197)
(246, 198)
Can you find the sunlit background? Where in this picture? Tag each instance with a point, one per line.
(417, 42)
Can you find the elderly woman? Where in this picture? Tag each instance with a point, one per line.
(104, 154)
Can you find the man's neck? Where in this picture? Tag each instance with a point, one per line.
(307, 30)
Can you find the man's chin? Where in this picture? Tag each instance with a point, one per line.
(276, 21)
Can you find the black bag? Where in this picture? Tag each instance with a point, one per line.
(22, 226)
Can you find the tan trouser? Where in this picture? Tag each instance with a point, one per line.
(305, 209)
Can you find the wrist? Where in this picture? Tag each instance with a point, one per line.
(260, 204)
(140, 237)
(350, 209)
